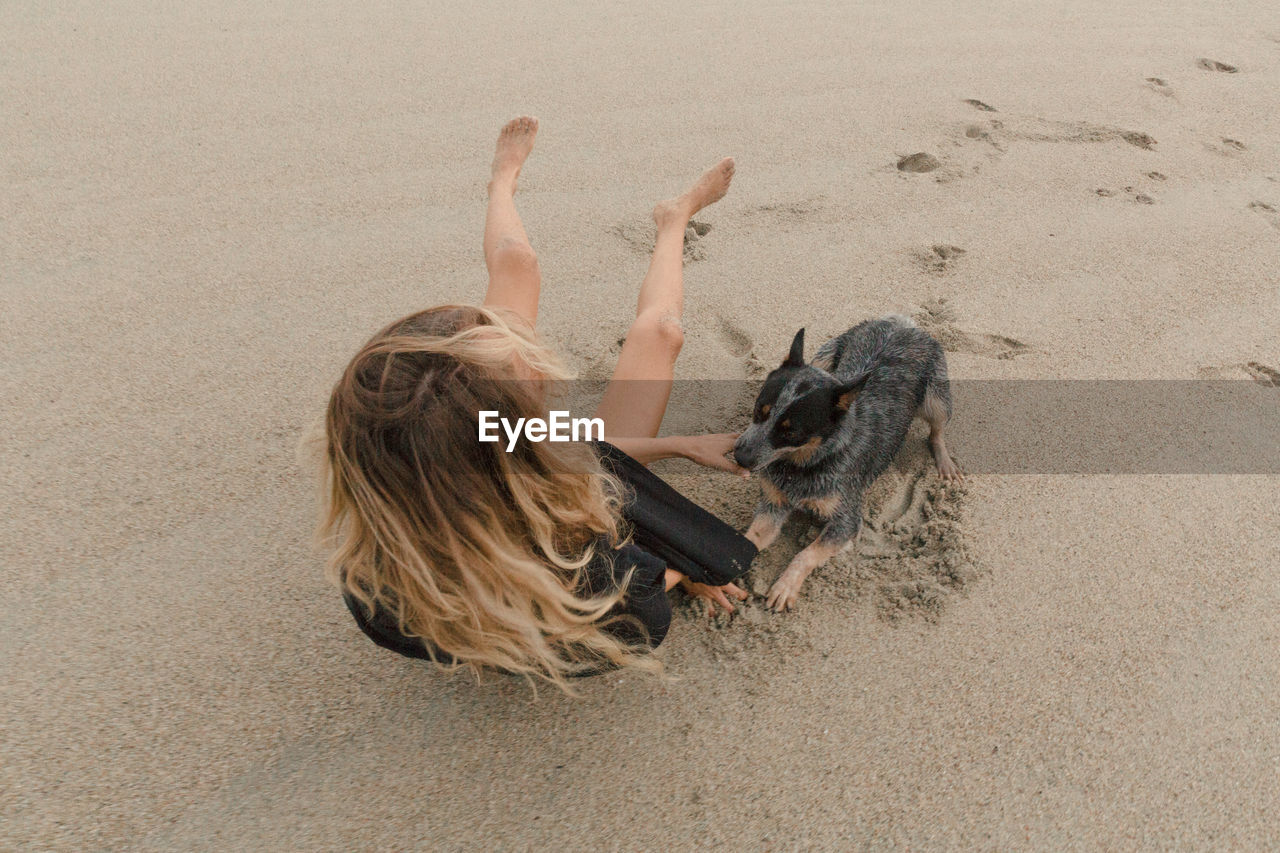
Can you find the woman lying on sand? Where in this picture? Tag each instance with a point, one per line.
(458, 551)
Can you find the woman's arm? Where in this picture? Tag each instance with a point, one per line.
(707, 450)
(646, 450)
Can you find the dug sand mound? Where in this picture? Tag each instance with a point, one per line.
(910, 557)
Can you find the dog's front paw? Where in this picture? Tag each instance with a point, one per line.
(783, 593)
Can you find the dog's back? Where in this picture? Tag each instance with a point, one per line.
(905, 369)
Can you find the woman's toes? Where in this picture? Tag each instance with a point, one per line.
(514, 144)
(713, 184)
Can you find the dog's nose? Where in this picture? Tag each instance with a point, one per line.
(742, 458)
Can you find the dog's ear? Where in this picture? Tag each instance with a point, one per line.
(846, 393)
(795, 358)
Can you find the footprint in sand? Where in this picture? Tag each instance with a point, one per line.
(1255, 370)
(1267, 210)
(979, 105)
(1136, 195)
(1157, 84)
(1139, 197)
(1263, 374)
(938, 258)
(639, 237)
(784, 213)
(988, 132)
(1142, 140)
(1041, 130)
(736, 341)
(938, 318)
(692, 234)
(1227, 147)
(1215, 65)
(983, 133)
(740, 347)
(1033, 129)
(1000, 134)
(919, 162)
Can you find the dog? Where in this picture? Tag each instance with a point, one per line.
(822, 432)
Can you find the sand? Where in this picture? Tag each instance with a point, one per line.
(206, 211)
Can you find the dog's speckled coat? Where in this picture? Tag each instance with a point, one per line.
(822, 432)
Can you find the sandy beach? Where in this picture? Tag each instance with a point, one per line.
(207, 210)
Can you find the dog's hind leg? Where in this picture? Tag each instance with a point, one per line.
(936, 411)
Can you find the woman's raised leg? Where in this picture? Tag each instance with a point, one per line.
(514, 277)
(636, 397)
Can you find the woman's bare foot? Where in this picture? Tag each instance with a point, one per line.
(709, 189)
(514, 144)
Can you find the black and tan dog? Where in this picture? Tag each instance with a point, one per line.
(822, 432)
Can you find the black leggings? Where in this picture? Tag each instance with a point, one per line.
(670, 526)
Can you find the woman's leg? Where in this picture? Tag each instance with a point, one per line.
(514, 277)
(636, 398)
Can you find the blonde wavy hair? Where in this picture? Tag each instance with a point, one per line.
(475, 550)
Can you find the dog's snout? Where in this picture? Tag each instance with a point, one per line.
(742, 456)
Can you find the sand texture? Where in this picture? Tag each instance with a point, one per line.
(207, 208)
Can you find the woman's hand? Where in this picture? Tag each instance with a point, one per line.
(714, 595)
(712, 451)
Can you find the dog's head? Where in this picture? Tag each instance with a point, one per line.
(799, 407)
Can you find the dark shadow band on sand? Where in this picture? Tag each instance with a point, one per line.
(1201, 426)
